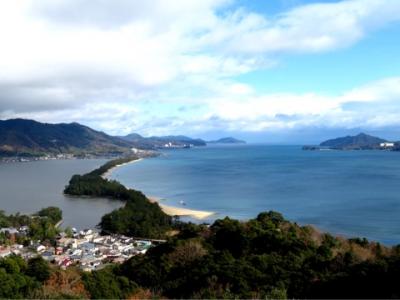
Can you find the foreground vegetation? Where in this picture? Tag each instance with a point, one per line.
(21, 279)
(263, 257)
(139, 217)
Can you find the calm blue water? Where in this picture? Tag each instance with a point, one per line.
(350, 193)
(31, 186)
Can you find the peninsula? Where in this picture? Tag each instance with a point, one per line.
(167, 209)
(140, 216)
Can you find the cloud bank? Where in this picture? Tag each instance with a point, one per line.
(169, 66)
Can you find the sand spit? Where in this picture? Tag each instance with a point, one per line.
(107, 174)
(180, 211)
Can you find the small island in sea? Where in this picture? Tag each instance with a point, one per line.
(227, 140)
(361, 141)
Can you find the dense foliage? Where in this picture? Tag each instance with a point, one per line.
(20, 279)
(113, 287)
(40, 226)
(13, 220)
(264, 257)
(54, 214)
(139, 217)
(36, 279)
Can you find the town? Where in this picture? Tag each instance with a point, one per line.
(60, 156)
(87, 249)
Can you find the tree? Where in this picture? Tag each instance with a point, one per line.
(39, 269)
(53, 213)
(112, 286)
(14, 283)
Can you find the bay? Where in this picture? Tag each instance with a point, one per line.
(348, 193)
(27, 187)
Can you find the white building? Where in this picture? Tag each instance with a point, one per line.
(387, 145)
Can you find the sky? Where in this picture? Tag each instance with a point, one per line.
(271, 71)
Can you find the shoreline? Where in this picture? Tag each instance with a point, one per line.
(180, 211)
(109, 172)
(167, 209)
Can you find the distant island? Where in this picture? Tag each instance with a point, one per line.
(361, 141)
(227, 140)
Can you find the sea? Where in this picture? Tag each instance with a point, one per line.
(27, 187)
(346, 193)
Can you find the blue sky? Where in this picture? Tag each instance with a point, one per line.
(278, 71)
(335, 72)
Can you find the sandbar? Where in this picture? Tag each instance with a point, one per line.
(180, 211)
(107, 174)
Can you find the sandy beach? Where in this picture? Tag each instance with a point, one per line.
(107, 174)
(180, 211)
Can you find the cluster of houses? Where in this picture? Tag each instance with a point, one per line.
(36, 158)
(60, 156)
(175, 145)
(87, 249)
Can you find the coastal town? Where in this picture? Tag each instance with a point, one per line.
(60, 156)
(86, 249)
(12, 159)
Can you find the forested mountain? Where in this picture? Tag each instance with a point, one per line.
(28, 137)
(360, 141)
(21, 137)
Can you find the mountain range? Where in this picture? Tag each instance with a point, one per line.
(20, 137)
(31, 138)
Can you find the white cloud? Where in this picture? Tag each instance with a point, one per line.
(383, 90)
(70, 60)
(307, 28)
(373, 105)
